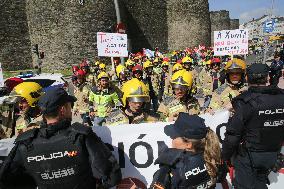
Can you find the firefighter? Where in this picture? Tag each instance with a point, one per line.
(235, 80)
(151, 81)
(137, 72)
(123, 76)
(165, 86)
(177, 67)
(82, 92)
(182, 99)
(103, 98)
(135, 97)
(129, 64)
(28, 94)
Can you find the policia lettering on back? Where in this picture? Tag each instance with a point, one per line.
(255, 133)
(59, 155)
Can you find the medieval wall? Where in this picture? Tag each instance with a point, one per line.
(188, 23)
(15, 46)
(66, 30)
(146, 22)
(234, 24)
(220, 20)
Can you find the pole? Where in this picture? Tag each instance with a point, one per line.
(266, 47)
(118, 20)
(117, 11)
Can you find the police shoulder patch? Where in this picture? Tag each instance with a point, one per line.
(245, 96)
(170, 156)
(27, 135)
(80, 128)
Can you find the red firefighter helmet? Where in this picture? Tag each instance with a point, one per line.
(75, 69)
(80, 73)
(12, 82)
(137, 67)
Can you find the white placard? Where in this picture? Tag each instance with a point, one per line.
(230, 42)
(1, 77)
(112, 44)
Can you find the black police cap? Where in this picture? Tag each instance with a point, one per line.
(188, 126)
(258, 69)
(53, 99)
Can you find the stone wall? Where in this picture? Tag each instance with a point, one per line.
(220, 20)
(188, 23)
(66, 31)
(234, 24)
(146, 22)
(15, 46)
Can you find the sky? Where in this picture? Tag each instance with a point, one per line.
(246, 10)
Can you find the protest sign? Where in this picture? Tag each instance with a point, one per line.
(230, 42)
(112, 44)
(1, 77)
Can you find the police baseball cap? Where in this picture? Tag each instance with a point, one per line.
(255, 69)
(53, 99)
(188, 126)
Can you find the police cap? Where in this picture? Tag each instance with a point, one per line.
(53, 99)
(188, 126)
(258, 69)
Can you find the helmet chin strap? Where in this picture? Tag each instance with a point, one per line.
(135, 114)
(235, 82)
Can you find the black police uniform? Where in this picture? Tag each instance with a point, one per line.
(275, 72)
(181, 169)
(255, 134)
(59, 155)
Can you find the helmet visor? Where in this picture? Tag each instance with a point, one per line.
(138, 99)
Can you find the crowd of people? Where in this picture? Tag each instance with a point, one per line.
(164, 87)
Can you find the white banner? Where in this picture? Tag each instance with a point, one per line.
(137, 146)
(112, 44)
(230, 42)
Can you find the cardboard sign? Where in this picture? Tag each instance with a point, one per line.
(230, 42)
(112, 44)
(1, 77)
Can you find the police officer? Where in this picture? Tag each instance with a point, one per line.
(193, 160)
(255, 132)
(276, 70)
(59, 155)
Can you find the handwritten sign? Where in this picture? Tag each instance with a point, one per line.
(112, 44)
(230, 42)
(1, 77)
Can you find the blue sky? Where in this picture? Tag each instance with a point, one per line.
(245, 10)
